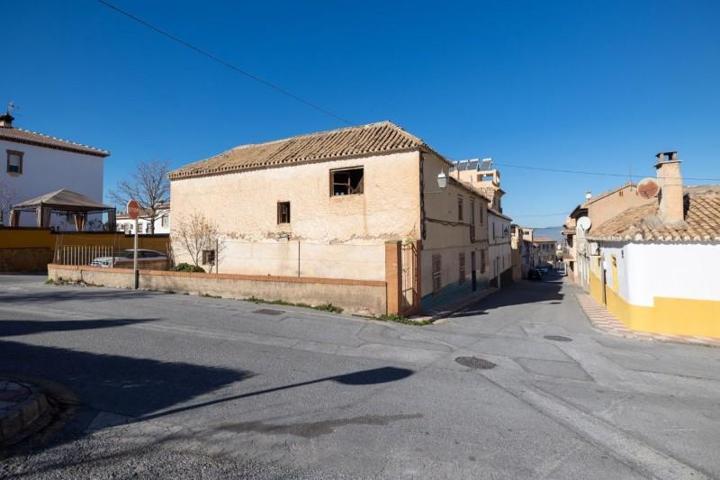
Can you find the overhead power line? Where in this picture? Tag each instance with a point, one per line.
(223, 62)
(585, 172)
(538, 214)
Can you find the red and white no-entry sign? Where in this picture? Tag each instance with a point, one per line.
(133, 209)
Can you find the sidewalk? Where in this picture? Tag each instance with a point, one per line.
(603, 320)
(449, 305)
(23, 409)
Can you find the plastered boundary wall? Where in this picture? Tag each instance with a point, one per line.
(29, 249)
(366, 297)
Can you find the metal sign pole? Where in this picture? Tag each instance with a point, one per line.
(135, 253)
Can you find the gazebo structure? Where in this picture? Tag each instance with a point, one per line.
(64, 202)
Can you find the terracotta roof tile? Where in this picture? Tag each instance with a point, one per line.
(375, 138)
(34, 138)
(702, 221)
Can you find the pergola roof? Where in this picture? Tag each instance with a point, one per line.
(63, 200)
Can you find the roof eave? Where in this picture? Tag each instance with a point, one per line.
(176, 175)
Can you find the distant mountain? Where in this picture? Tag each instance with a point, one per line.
(552, 232)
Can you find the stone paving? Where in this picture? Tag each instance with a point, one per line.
(603, 320)
(21, 406)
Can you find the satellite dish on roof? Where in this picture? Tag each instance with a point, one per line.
(648, 188)
(584, 223)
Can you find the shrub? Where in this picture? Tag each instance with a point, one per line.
(186, 267)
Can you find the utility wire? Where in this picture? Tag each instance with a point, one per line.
(539, 214)
(585, 172)
(225, 63)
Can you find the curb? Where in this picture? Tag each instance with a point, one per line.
(604, 321)
(24, 418)
(460, 306)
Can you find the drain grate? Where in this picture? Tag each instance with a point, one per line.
(557, 338)
(269, 311)
(475, 362)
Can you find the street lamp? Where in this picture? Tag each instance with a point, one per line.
(442, 179)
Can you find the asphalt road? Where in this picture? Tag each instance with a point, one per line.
(176, 386)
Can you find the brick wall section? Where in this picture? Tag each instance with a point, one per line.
(366, 297)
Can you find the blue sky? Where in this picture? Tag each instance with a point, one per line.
(599, 86)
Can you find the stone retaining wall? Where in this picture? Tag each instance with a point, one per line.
(367, 297)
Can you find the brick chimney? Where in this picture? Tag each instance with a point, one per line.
(6, 120)
(671, 188)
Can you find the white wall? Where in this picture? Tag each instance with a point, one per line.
(46, 170)
(128, 225)
(499, 252)
(648, 270)
(357, 260)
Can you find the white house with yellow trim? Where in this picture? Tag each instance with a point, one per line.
(655, 266)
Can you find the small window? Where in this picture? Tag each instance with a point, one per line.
(165, 220)
(14, 162)
(208, 257)
(349, 181)
(483, 261)
(283, 212)
(460, 209)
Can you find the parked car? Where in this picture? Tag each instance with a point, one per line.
(125, 258)
(534, 274)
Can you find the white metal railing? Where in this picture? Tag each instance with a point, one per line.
(81, 254)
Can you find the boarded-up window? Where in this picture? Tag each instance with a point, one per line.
(348, 181)
(436, 271)
(283, 212)
(461, 267)
(208, 257)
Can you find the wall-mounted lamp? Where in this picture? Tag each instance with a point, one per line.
(442, 179)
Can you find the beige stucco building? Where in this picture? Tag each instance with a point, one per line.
(598, 210)
(482, 177)
(329, 205)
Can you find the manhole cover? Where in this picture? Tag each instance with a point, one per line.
(269, 311)
(475, 362)
(558, 338)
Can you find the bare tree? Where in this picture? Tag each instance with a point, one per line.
(7, 198)
(196, 233)
(149, 185)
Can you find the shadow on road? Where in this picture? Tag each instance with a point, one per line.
(115, 383)
(73, 293)
(522, 292)
(10, 328)
(363, 377)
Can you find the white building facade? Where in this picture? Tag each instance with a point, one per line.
(162, 222)
(34, 164)
(499, 250)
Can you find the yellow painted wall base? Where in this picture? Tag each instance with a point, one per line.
(670, 316)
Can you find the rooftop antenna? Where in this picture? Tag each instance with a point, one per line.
(11, 107)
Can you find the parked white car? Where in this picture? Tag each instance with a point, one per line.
(125, 257)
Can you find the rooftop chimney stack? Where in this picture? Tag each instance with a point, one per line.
(6, 120)
(669, 179)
